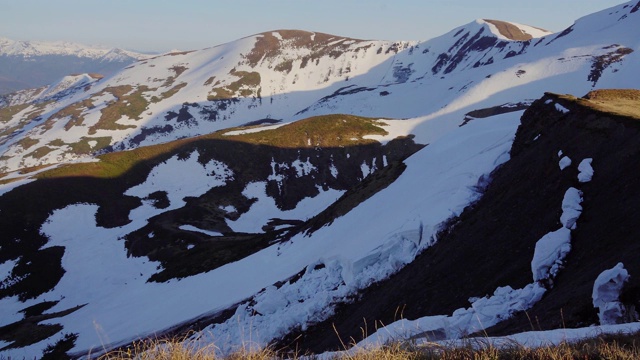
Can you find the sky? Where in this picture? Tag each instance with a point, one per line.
(162, 25)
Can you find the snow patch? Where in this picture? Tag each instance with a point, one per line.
(561, 108)
(606, 294)
(334, 170)
(303, 168)
(265, 208)
(482, 313)
(195, 229)
(571, 208)
(228, 208)
(550, 250)
(586, 171)
(365, 169)
(564, 162)
(169, 176)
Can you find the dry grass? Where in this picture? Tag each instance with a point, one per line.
(6, 113)
(326, 131)
(603, 347)
(509, 30)
(318, 131)
(184, 349)
(620, 102)
(243, 87)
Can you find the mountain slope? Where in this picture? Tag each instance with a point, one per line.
(293, 222)
(495, 237)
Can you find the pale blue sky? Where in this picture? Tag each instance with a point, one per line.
(159, 25)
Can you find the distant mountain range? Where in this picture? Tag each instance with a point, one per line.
(292, 185)
(29, 64)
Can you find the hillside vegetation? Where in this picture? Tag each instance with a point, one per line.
(621, 347)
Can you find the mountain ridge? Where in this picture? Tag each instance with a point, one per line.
(29, 64)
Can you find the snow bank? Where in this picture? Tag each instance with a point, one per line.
(606, 294)
(482, 313)
(534, 339)
(550, 250)
(571, 208)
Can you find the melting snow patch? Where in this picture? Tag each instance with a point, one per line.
(586, 171)
(482, 313)
(606, 294)
(334, 171)
(366, 170)
(303, 168)
(562, 109)
(5, 271)
(169, 176)
(265, 208)
(551, 337)
(550, 250)
(193, 228)
(564, 162)
(571, 208)
(228, 208)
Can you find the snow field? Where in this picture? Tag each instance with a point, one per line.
(369, 244)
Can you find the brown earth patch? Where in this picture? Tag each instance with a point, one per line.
(509, 30)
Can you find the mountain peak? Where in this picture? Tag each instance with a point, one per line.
(513, 31)
(270, 44)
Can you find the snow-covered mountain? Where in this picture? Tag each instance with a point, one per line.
(29, 64)
(224, 190)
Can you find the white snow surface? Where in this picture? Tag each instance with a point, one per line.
(529, 339)
(571, 208)
(38, 48)
(483, 313)
(564, 162)
(553, 247)
(265, 208)
(586, 171)
(606, 294)
(368, 244)
(550, 250)
(196, 229)
(561, 108)
(536, 339)
(180, 178)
